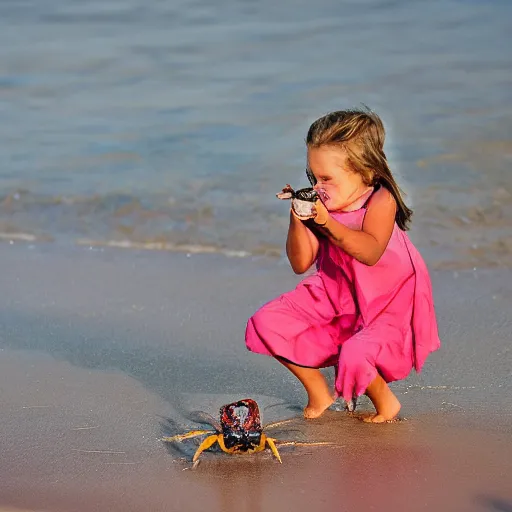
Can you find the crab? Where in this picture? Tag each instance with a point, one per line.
(239, 431)
(303, 200)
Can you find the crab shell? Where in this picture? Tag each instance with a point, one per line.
(303, 201)
(241, 425)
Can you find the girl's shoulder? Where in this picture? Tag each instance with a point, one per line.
(381, 198)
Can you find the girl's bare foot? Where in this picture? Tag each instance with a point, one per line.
(316, 408)
(385, 402)
(319, 395)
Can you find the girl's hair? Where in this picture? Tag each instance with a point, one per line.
(361, 134)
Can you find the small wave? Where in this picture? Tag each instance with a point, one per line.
(165, 246)
(24, 237)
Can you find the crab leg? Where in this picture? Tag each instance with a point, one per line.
(300, 443)
(188, 435)
(207, 443)
(272, 445)
(279, 423)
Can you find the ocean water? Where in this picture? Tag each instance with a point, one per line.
(172, 124)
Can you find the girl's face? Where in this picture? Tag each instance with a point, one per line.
(333, 174)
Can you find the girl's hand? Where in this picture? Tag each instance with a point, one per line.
(322, 214)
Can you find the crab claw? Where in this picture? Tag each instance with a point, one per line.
(286, 193)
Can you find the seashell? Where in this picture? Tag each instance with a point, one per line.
(303, 200)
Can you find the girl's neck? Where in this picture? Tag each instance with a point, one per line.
(359, 201)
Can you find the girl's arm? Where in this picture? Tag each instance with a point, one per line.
(366, 245)
(301, 245)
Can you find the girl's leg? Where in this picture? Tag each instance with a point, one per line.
(319, 395)
(384, 400)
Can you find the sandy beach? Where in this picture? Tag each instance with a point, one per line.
(141, 148)
(103, 351)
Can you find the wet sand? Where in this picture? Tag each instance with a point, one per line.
(104, 351)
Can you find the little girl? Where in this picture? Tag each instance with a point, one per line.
(368, 310)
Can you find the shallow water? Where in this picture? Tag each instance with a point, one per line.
(173, 125)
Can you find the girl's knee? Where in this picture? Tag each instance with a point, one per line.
(259, 320)
(263, 322)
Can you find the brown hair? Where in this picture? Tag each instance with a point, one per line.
(361, 134)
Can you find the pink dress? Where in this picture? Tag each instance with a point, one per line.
(364, 320)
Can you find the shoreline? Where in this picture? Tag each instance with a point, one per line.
(469, 253)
